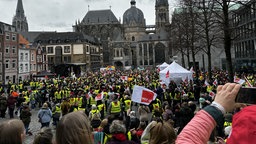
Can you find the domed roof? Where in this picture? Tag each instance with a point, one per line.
(162, 3)
(133, 15)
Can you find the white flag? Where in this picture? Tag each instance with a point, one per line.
(205, 83)
(143, 95)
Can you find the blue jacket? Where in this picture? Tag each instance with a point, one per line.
(45, 115)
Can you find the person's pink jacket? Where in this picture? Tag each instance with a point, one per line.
(198, 130)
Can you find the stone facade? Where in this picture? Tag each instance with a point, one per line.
(122, 43)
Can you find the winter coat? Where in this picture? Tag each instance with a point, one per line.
(3, 103)
(45, 114)
(25, 116)
(121, 139)
(143, 112)
(11, 102)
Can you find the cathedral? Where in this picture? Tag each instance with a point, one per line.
(132, 42)
(19, 20)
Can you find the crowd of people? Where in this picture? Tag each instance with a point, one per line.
(97, 108)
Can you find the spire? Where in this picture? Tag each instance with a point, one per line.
(19, 9)
(20, 20)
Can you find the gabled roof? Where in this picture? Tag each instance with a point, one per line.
(23, 41)
(100, 17)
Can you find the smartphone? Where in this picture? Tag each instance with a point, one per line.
(246, 95)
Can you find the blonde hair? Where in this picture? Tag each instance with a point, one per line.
(74, 128)
(162, 133)
(11, 131)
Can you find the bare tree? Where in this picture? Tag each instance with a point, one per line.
(208, 27)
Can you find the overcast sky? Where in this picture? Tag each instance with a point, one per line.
(60, 15)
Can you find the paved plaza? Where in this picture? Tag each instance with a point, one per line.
(34, 125)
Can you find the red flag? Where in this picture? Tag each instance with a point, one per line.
(186, 81)
(247, 82)
(142, 95)
(147, 96)
(167, 75)
(211, 94)
(124, 78)
(236, 79)
(215, 82)
(99, 97)
(183, 92)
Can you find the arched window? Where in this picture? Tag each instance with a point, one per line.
(133, 38)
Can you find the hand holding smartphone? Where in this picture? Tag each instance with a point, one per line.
(246, 95)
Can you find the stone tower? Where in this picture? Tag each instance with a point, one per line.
(162, 14)
(19, 20)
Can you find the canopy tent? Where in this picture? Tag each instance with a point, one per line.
(173, 72)
(163, 66)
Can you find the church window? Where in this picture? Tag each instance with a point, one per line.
(133, 38)
(87, 48)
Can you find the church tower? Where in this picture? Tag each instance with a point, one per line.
(162, 14)
(19, 20)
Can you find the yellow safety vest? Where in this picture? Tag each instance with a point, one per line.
(156, 106)
(72, 101)
(127, 104)
(191, 95)
(176, 98)
(26, 99)
(79, 101)
(227, 124)
(115, 108)
(81, 109)
(57, 110)
(92, 101)
(100, 107)
(93, 112)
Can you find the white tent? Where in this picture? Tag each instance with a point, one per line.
(175, 72)
(163, 66)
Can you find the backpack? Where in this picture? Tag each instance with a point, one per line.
(96, 121)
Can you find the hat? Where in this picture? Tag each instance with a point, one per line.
(132, 113)
(45, 105)
(243, 126)
(94, 107)
(117, 127)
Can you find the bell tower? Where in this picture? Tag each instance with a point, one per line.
(162, 14)
(19, 20)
